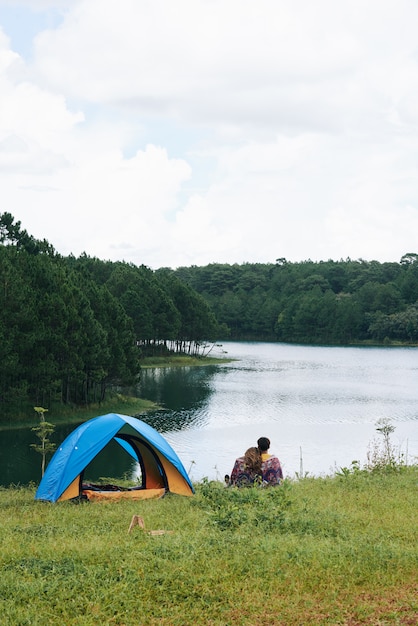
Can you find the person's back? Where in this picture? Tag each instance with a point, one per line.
(247, 469)
(270, 465)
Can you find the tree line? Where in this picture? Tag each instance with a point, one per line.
(327, 302)
(73, 328)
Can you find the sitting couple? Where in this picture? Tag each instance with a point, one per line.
(257, 466)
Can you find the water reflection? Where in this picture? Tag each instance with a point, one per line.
(20, 464)
(183, 392)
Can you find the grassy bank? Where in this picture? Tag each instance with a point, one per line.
(64, 414)
(341, 550)
(182, 360)
(23, 415)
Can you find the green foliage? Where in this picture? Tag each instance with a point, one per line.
(382, 456)
(326, 302)
(12, 234)
(43, 432)
(197, 321)
(71, 330)
(229, 508)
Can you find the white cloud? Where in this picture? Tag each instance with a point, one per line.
(38, 5)
(296, 64)
(108, 206)
(205, 130)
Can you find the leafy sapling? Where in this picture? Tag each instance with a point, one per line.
(43, 432)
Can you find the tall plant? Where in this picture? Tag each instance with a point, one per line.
(43, 432)
(383, 455)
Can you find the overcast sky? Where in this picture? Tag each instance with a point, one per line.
(186, 132)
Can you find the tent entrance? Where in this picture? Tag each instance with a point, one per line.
(111, 463)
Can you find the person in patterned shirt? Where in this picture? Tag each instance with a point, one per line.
(256, 467)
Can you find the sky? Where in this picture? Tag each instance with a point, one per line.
(192, 132)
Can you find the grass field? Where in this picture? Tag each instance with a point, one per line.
(318, 551)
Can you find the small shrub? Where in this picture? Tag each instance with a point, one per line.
(43, 432)
(382, 456)
(230, 508)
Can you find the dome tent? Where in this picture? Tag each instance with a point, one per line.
(161, 469)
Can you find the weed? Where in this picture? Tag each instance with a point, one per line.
(230, 508)
(382, 456)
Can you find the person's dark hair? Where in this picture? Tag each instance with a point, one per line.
(263, 444)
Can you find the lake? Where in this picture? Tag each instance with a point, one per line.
(318, 405)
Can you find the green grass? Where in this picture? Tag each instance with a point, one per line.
(64, 414)
(320, 551)
(23, 415)
(182, 360)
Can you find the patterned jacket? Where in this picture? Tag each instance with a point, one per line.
(272, 473)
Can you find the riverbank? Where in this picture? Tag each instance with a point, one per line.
(182, 360)
(340, 550)
(63, 414)
(115, 403)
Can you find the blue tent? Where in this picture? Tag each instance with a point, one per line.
(161, 469)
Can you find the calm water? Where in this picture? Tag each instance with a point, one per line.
(319, 406)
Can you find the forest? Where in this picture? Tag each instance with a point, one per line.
(326, 302)
(72, 329)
